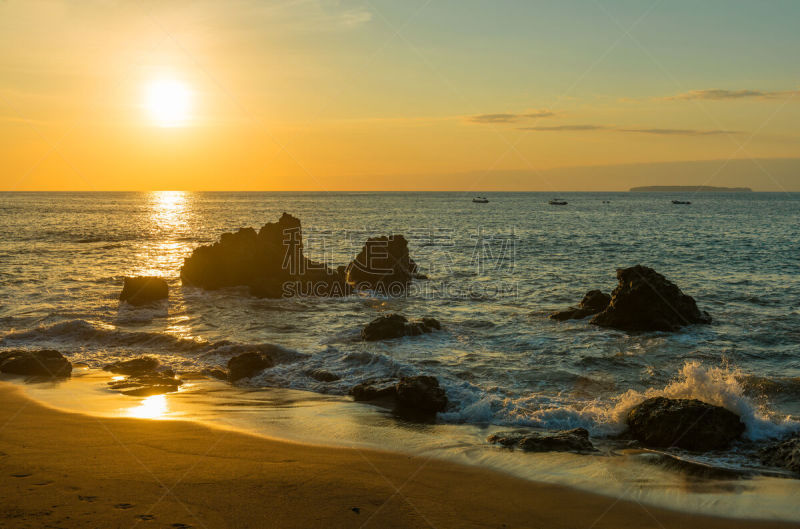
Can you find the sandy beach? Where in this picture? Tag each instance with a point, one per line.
(70, 470)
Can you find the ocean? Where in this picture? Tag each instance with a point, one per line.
(495, 271)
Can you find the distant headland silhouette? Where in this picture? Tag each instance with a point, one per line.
(711, 189)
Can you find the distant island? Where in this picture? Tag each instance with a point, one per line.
(689, 189)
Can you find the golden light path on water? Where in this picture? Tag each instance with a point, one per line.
(162, 255)
(167, 222)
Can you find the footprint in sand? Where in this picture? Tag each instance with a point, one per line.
(90, 499)
(124, 506)
(43, 483)
(146, 517)
(181, 526)
(21, 475)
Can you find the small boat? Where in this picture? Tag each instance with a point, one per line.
(681, 202)
(480, 200)
(558, 202)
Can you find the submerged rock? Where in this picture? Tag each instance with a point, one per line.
(246, 365)
(644, 300)
(44, 363)
(147, 385)
(390, 326)
(270, 262)
(593, 302)
(421, 393)
(143, 289)
(135, 366)
(383, 264)
(785, 454)
(576, 440)
(683, 423)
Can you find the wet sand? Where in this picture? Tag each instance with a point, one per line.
(69, 470)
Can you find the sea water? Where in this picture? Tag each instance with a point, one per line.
(495, 271)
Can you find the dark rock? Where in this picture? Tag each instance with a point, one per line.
(147, 385)
(785, 454)
(370, 391)
(246, 365)
(571, 313)
(432, 323)
(390, 326)
(135, 366)
(270, 262)
(417, 397)
(683, 423)
(421, 393)
(383, 264)
(385, 327)
(144, 289)
(43, 363)
(593, 302)
(323, 376)
(645, 300)
(576, 440)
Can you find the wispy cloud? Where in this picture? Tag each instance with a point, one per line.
(558, 128)
(680, 132)
(719, 94)
(652, 131)
(509, 117)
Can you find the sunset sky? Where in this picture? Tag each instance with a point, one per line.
(396, 95)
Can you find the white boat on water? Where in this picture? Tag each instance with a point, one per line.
(480, 200)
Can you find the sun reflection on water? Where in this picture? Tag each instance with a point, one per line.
(153, 407)
(168, 209)
(163, 253)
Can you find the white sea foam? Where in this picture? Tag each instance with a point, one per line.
(715, 385)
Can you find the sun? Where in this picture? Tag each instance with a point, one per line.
(168, 102)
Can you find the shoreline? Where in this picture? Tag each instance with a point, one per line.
(77, 470)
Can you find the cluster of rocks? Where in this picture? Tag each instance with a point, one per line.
(658, 422)
(144, 376)
(644, 300)
(271, 264)
(390, 326)
(419, 394)
(45, 363)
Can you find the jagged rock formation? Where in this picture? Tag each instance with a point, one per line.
(644, 300)
(271, 263)
(382, 264)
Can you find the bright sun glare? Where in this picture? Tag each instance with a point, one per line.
(168, 102)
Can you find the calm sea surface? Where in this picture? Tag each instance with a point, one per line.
(496, 270)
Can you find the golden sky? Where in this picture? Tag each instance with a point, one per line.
(389, 95)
